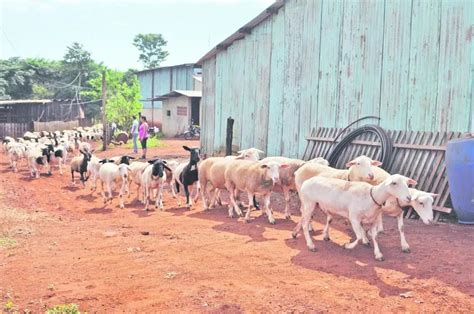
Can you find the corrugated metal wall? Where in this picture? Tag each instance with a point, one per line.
(329, 62)
(166, 80)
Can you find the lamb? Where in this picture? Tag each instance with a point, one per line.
(60, 155)
(256, 179)
(287, 175)
(15, 153)
(422, 203)
(211, 170)
(154, 177)
(39, 156)
(110, 173)
(79, 164)
(359, 202)
(186, 174)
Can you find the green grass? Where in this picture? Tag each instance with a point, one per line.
(8, 243)
(64, 309)
(153, 142)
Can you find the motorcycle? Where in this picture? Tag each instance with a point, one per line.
(193, 131)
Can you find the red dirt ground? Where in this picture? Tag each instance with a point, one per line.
(73, 249)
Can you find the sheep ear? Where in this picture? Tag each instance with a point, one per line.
(167, 168)
(186, 148)
(165, 162)
(152, 161)
(130, 157)
(260, 151)
(264, 166)
(284, 166)
(376, 163)
(411, 181)
(433, 195)
(350, 163)
(240, 157)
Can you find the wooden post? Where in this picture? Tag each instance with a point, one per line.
(229, 135)
(152, 97)
(104, 116)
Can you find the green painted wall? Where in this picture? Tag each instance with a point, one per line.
(330, 62)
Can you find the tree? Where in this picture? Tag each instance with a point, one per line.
(123, 96)
(152, 49)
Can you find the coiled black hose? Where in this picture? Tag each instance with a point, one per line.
(385, 141)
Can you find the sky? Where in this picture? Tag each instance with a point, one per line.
(106, 28)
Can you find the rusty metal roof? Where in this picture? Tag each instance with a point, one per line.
(244, 30)
(177, 93)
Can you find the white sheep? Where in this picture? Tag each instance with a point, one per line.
(110, 173)
(287, 175)
(211, 170)
(154, 178)
(254, 178)
(422, 203)
(359, 202)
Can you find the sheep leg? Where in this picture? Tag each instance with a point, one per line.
(404, 243)
(109, 190)
(326, 228)
(215, 195)
(305, 222)
(159, 200)
(203, 196)
(196, 191)
(72, 175)
(233, 204)
(379, 223)
(269, 212)
(377, 253)
(188, 200)
(123, 189)
(60, 165)
(146, 192)
(247, 214)
(102, 192)
(297, 228)
(286, 194)
(359, 231)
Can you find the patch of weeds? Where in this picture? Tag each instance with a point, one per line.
(9, 306)
(64, 309)
(7, 242)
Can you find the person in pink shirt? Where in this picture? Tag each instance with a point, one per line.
(143, 135)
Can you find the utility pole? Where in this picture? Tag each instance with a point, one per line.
(104, 116)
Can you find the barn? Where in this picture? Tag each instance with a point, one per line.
(304, 64)
(19, 116)
(159, 81)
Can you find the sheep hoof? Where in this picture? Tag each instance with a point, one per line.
(294, 235)
(272, 222)
(406, 250)
(367, 244)
(380, 258)
(288, 217)
(327, 238)
(312, 248)
(346, 246)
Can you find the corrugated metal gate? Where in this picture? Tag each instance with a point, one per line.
(418, 155)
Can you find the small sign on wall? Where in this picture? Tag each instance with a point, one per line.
(182, 111)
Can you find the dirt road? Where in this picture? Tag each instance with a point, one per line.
(62, 245)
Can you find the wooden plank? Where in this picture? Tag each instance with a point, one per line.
(294, 63)
(454, 65)
(264, 39)
(396, 62)
(361, 63)
(310, 37)
(330, 55)
(424, 56)
(277, 76)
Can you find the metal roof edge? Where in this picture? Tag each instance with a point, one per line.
(244, 30)
(169, 66)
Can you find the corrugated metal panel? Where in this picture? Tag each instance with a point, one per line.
(327, 63)
(208, 105)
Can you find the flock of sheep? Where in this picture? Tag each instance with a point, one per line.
(362, 193)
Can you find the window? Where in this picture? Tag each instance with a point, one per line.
(182, 111)
(168, 113)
